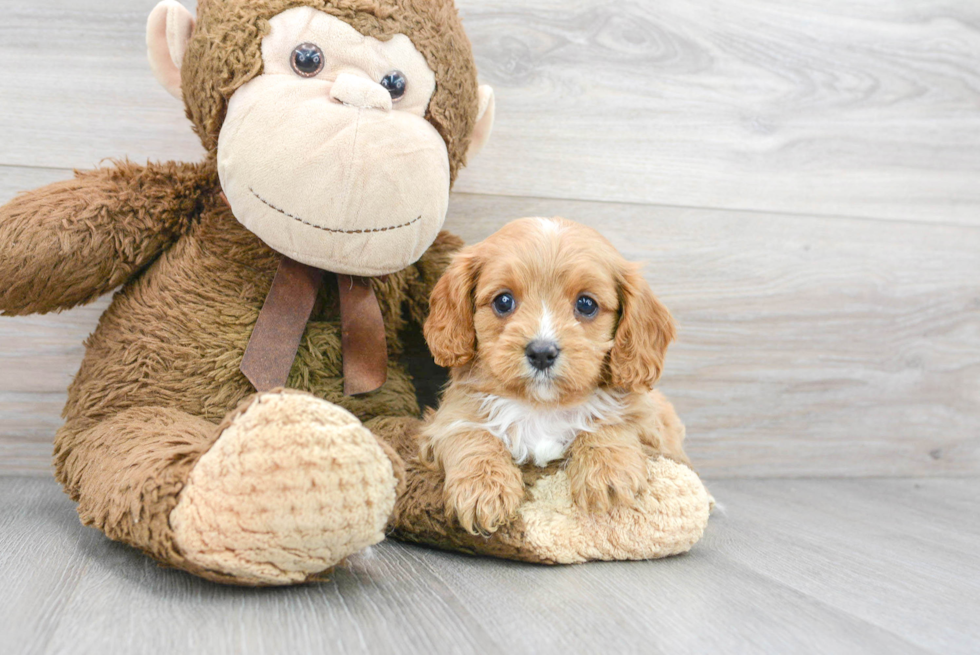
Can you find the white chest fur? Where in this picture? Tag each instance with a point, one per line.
(543, 435)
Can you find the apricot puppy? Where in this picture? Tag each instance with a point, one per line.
(555, 342)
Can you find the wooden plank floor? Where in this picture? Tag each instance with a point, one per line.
(789, 566)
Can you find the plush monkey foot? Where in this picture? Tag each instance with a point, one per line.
(668, 519)
(293, 485)
(669, 516)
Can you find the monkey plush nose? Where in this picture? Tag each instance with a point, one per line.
(542, 354)
(360, 92)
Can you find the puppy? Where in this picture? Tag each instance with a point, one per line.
(555, 342)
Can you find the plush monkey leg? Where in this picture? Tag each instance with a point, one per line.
(549, 528)
(285, 488)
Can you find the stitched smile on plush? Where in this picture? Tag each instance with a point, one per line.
(299, 156)
(334, 230)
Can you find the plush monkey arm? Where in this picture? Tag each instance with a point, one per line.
(70, 242)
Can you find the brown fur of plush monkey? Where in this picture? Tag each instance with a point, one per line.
(165, 445)
(160, 381)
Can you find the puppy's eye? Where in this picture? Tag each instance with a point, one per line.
(504, 304)
(586, 306)
(395, 83)
(307, 60)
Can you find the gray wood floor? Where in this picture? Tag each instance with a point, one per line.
(789, 566)
(801, 179)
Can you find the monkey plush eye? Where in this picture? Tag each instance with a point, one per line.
(307, 60)
(395, 83)
(586, 306)
(504, 304)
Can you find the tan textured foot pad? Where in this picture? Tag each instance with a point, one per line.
(670, 518)
(291, 487)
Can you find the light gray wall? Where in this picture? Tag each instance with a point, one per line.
(801, 178)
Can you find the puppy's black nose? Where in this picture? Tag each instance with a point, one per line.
(542, 354)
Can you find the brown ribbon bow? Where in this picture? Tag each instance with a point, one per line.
(282, 321)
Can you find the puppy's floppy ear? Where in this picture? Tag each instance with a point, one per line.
(645, 330)
(449, 329)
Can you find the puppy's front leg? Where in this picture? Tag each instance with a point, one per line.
(661, 429)
(483, 486)
(606, 468)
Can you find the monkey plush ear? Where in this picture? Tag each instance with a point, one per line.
(168, 30)
(484, 122)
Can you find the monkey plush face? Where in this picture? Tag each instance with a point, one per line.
(337, 147)
(327, 155)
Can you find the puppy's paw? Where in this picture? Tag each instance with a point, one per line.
(485, 498)
(606, 476)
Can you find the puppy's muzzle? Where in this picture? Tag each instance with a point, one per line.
(542, 354)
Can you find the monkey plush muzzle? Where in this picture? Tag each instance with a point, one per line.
(330, 169)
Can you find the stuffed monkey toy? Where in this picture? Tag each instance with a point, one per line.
(243, 411)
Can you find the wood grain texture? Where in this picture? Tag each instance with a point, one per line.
(808, 346)
(870, 566)
(96, 99)
(813, 106)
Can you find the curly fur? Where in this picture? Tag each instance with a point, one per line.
(595, 402)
